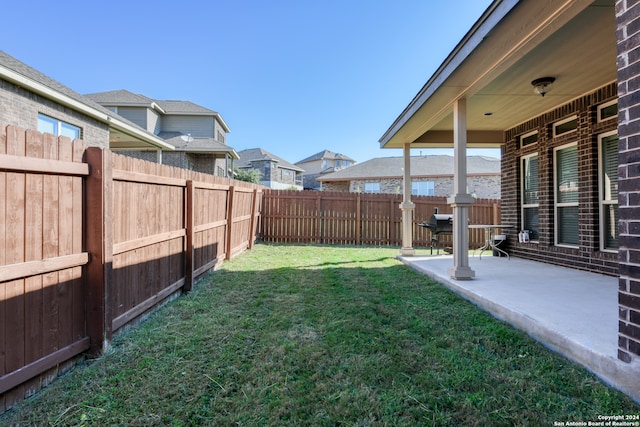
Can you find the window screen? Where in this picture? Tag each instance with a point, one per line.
(567, 196)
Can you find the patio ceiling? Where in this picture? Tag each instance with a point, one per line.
(513, 43)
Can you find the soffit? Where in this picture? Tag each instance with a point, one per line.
(573, 41)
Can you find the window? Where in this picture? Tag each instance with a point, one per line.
(607, 111)
(565, 126)
(566, 195)
(57, 127)
(608, 145)
(530, 218)
(372, 187)
(529, 138)
(422, 188)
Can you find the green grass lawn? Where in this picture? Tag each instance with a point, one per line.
(322, 336)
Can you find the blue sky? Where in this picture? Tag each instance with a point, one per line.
(291, 76)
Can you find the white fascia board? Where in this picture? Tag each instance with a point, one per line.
(76, 105)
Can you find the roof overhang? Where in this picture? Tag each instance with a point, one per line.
(513, 43)
(121, 132)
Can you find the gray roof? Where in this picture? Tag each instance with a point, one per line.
(124, 98)
(196, 144)
(325, 154)
(185, 107)
(18, 67)
(421, 166)
(120, 97)
(258, 154)
(35, 75)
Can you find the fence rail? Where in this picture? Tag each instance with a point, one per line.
(359, 219)
(93, 240)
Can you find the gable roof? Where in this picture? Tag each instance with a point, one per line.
(124, 98)
(325, 154)
(33, 80)
(259, 154)
(421, 166)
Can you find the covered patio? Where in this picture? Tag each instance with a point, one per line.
(570, 311)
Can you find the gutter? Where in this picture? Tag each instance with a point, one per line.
(76, 105)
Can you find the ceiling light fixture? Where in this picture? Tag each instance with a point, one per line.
(542, 85)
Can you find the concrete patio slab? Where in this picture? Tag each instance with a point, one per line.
(573, 312)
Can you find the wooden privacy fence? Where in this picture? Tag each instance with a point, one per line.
(93, 240)
(359, 218)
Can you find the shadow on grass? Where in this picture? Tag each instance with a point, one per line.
(316, 335)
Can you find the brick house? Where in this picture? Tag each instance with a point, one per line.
(430, 176)
(275, 172)
(554, 84)
(321, 164)
(32, 100)
(197, 133)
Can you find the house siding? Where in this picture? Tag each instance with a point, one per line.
(627, 17)
(198, 127)
(20, 107)
(137, 115)
(154, 122)
(587, 255)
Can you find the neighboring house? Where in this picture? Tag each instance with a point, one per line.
(320, 164)
(197, 133)
(430, 176)
(32, 100)
(275, 172)
(555, 85)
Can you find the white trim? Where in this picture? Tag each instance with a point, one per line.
(563, 121)
(603, 106)
(601, 203)
(557, 205)
(526, 135)
(522, 204)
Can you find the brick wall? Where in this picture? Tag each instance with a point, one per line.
(587, 256)
(628, 32)
(20, 107)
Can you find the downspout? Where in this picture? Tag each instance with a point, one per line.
(460, 200)
(407, 206)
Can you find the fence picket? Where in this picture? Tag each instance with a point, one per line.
(358, 219)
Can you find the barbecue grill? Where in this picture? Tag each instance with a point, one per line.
(439, 224)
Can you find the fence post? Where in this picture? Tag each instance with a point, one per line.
(318, 217)
(496, 214)
(99, 243)
(189, 220)
(252, 228)
(358, 220)
(229, 223)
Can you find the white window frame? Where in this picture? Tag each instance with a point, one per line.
(431, 189)
(561, 122)
(524, 206)
(58, 125)
(527, 135)
(370, 191)
(557, 205)
(602, 107)
(602, 202)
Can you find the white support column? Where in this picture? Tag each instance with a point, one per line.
(460, 200)
(407, 206)
(159, 156)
